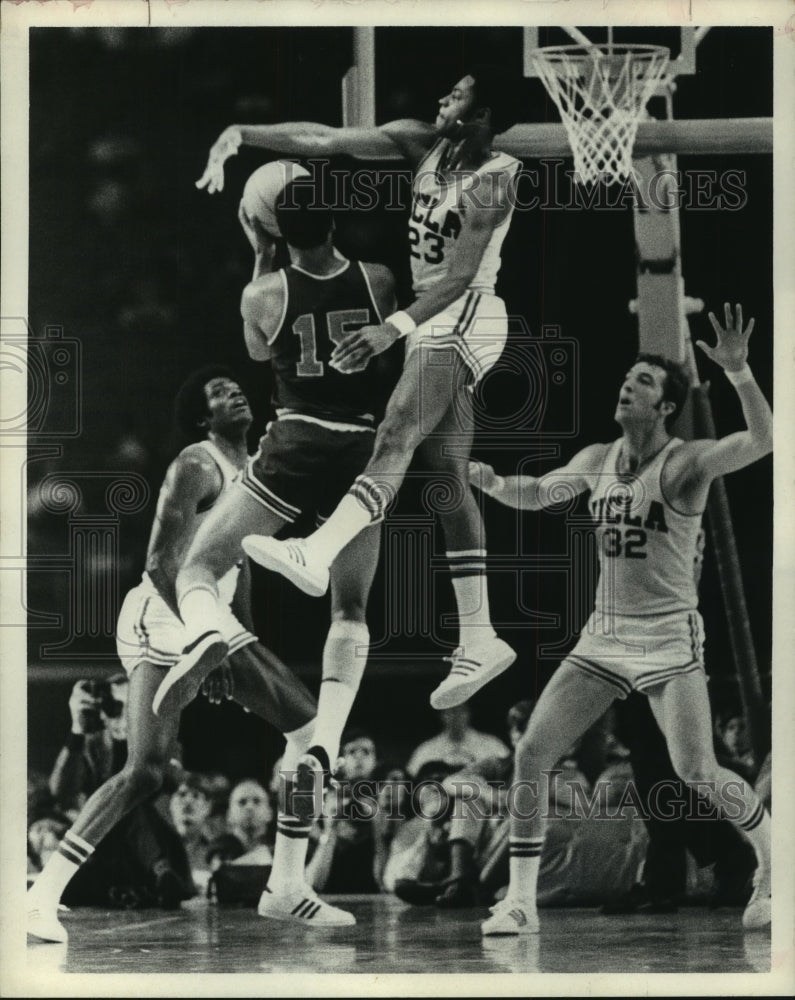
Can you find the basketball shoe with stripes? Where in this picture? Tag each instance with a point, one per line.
(290, 558)
(472, 667)
(511, 916)
(43, 923)
(181, 684)
(303, 906)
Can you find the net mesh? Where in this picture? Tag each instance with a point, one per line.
(601, 94)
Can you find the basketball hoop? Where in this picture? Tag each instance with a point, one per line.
(601, 92)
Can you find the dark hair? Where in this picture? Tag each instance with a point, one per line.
(497, 89)
(301, 215)
(519, 714)
(675, 387)
(190, 406)
(354, 734)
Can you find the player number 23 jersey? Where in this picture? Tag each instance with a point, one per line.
(438, 210)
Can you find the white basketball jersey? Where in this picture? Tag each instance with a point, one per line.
(647, 549)
(438, 210)
(228, 583)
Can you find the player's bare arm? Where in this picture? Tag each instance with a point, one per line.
(486, 208)
(382, 284)
(262, 309)
(539, 492)
(261, 241)
(316, 139)
(192, 484)
(691, 469)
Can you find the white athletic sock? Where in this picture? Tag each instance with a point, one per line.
(756, 827)
(298, 742)
(524, 862)
(71, 853)
(362, 505)
(198, 608)
(342, 673)
(468, 569)
(289, 854)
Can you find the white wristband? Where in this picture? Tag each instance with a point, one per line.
(738, 378)
(402, 321)
(497, 486)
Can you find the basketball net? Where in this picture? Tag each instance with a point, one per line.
(601, 92)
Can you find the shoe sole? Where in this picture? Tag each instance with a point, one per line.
(464, 691)
(519, 932)
(58, 936)
(299, 576)
(288, 918)
(181, 684)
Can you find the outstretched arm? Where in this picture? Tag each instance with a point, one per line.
(709, 459)
(539, 492)
(313, 139)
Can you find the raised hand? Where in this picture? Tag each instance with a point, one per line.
(226, 145)
(731, 349)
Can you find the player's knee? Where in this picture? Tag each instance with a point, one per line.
(345, 654)
(142, 779)
(398, 434)
(696, 770)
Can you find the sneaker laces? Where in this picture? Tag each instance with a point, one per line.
(457, 652)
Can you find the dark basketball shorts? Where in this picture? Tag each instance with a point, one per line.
(304, 466)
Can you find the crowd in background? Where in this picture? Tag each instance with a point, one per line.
(432, 829)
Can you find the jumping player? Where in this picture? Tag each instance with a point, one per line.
(150, 637)
(462, 202)
(648, 491)
(321, 440)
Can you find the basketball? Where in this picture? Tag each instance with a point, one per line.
(263, 188)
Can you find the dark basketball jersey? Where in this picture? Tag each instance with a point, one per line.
(318, 313)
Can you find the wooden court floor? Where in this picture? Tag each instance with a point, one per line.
(393, 937)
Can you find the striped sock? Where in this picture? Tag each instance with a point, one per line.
(468, 570)
(72, 852)
(525, 859)
(289, 853)
(364, 504)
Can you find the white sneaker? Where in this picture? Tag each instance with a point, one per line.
(43, 922)
(182, 682)
(303, 906)
(290, 558)
(471, 669)
(511, 916)
(756, 915)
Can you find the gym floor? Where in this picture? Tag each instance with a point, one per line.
(393, 937)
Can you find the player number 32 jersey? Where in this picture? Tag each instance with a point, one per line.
(647, 549)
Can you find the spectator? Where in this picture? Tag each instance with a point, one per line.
(190, 806)
(477, 806)
(97, 743)
(458, 745)
(732, 746)
(345, 857)
(142, 862)
(248, 820)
